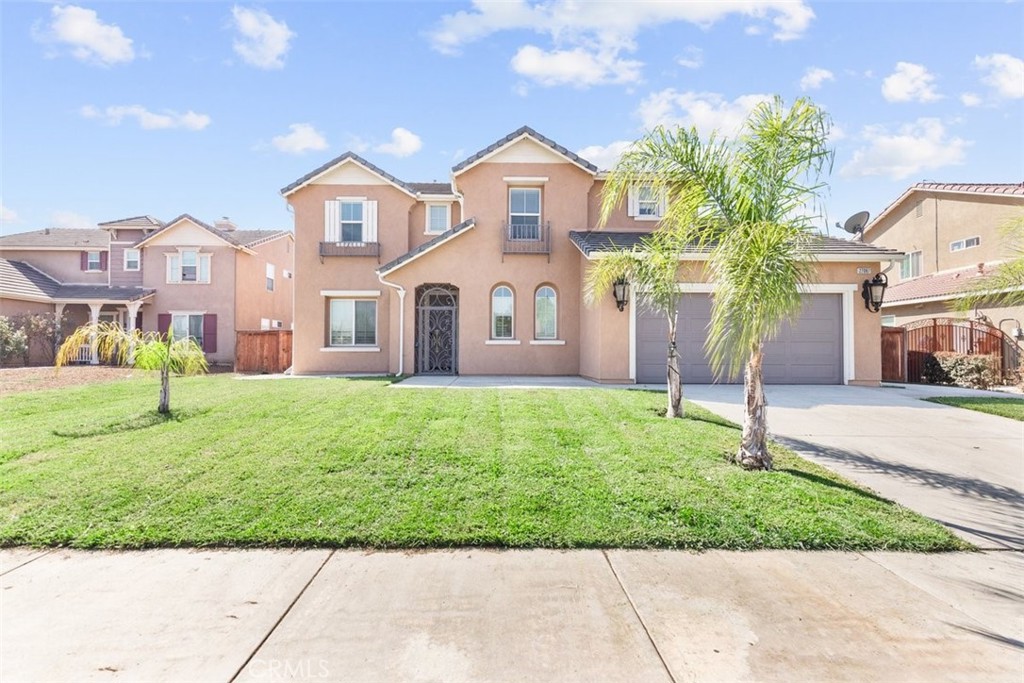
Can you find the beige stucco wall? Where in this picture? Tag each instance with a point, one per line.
(946, 218)
(252, 300)
(65, 266)
(418, 221)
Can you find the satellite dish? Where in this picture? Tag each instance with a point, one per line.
(855, 223)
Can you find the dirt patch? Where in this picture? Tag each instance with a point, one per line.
(17, 380)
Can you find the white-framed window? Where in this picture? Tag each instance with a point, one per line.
(524, 213)
(264, 323)
(545, 313)
(439, 218)
(188, 266)
(270, 277)
(350, 220)
(132, 259)
(353, 322)
(277, 324)
(645, 203)
(287, 274)
(910, 266)
(960, 245)
(94, 261)
(888, 321)
(187, 325)
(502, 313)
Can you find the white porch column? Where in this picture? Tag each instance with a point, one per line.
(133, 312)
(94, 318)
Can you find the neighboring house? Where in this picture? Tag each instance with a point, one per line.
(203, 281)
(950, 234)
(484, 275)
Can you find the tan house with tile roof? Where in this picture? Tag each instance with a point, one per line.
(950, 233)
(484, 275)
(204, 281)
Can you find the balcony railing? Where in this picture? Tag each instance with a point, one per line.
(520, 238)
(349, 249)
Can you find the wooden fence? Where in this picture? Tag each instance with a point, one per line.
(894, 355)
(266, 351)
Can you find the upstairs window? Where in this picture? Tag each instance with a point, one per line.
(93, 261)
(502, 307)
(188, 266)
(910, 266)
(960, 245)
(270, 277)
(438, 218)
(645, 203)
(524, 213)
(132, 259)
(350, 220)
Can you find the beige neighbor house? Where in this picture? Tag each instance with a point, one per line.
(484, 275)
(950, 234)
(204, 281)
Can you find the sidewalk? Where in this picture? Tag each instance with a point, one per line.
(486, 615)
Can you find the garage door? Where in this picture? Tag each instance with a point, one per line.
(808, 351)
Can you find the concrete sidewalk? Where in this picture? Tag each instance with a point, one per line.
(483, 615)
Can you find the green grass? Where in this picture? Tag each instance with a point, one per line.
(332, 462)
(1012, 408)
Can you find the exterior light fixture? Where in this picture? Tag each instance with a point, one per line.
(873, 292)
(620, 289)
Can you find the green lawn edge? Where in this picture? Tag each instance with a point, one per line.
(1009, 407)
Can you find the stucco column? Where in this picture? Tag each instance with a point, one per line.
(133, 311)
(94, 318)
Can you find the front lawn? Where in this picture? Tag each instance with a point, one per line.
(1012, 408)
(338, 462)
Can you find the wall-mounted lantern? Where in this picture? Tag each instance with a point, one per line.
(873, 292)
(621, 291)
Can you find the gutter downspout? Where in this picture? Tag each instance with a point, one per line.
(401, 322)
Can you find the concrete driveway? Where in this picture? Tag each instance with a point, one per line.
(960, 467)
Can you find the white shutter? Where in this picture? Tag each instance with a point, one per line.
(204, 268)
(632, 203)
(173, 268)
(332, 223)
(370, 220)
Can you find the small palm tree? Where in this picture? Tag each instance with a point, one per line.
(650, 269)
(143, 350)
(1004, 286)
(743, 202)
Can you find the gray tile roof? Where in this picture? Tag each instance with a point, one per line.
(134, 222)
(429, 244)
(57, 238)
(102, 292)
(525, 130)
(432, 188)
(337, 160)
(597, 241)
(251, 238)
(21, 280)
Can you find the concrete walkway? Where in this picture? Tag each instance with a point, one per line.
(480, 615)
(960, 467)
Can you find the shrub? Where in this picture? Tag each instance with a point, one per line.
(971, 371)
(934, 372)
(44, 332)
(13, 341)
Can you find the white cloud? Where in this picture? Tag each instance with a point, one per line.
(71, 220)
(970, 99)
(605, 156)
(7, 215)
(146, 119)
(1003, 73)
(910, 83)
(707, 111)
(693, 58)
(576, 67)
(403, 143)
(263, 41)
(815, 77)
(89, 39)
(590, 38)
(302, 138)
(836, 133)
(915, 147)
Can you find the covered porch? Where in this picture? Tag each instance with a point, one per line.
(125, 310)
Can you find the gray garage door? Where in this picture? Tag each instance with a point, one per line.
(809, 351)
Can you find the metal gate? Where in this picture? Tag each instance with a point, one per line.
(927, 337)
(437, 330)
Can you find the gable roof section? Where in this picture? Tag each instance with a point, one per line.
(429, 245)
(347, 157)
(593, 243)
(997, 189)
(223, 235)
(57, 238)
(515, 136)
(133, 222)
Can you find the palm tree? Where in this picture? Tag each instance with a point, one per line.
(143, 350)
(650, 269)
(1004, 286)
(744, 202)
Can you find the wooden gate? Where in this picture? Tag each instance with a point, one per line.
(924, 338)
(894, 354)
(265, 351)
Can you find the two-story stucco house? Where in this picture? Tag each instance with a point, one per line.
(484, 275)
(951, 235)
(203, 281)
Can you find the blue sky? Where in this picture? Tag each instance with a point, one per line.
(119, 109)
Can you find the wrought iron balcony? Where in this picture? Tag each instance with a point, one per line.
(520, 238)
(349, 249)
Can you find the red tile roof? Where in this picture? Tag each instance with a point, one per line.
(936, 286)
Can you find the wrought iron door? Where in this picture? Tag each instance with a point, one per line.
(437, 330)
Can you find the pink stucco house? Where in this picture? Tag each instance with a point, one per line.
(484, 275)
(204, 281)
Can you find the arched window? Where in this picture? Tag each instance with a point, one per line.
(545, 312)
(502, 307)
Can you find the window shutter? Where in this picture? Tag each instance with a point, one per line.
(210, 333)
(84, 260)
(138, 320)
(332, 223)
(632, 203)
(204, 268)
(370, 220)
(163, 323)
(104, 260)
(173, 268)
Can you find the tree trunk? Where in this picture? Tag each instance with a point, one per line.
(675, 383)
(165, 390)
(753, 453)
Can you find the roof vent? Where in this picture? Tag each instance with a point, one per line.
(225, 224)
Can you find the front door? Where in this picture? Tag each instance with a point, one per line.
(437, 330)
